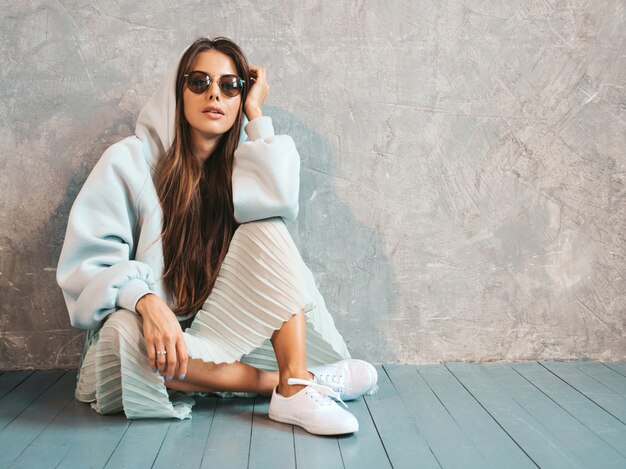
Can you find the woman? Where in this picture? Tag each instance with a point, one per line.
(178, 263)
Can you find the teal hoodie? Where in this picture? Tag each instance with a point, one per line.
(112, 253)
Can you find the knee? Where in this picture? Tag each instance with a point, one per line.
(262, 231)
(122, 322)
(256, 225)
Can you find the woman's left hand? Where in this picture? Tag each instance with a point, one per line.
(259, 89)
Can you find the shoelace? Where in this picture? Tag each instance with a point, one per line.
(333, 381)
(322, 389)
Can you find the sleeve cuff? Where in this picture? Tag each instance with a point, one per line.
(260, 127)
(130, 293)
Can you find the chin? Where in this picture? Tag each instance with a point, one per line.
(212, 130)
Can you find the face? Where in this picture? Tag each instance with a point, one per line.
(207, 127)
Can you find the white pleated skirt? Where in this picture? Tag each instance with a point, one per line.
(262, 282)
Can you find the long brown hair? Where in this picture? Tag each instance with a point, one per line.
(198, 213)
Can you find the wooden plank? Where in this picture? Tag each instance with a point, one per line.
(182, 446)
(21, 396)
(77, 434)
(603, 424)
(492, 442)
(10, 380)
(567, 433)
(605, 375)
(602, 395)
(228, 444)
(23, 429)
(313, 451)
(619, 367)
(271, 442)
(363, 449)
(403, 441)
(449, 443)
(147, 434)
(527, 430)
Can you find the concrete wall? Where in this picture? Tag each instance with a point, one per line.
(463, 163)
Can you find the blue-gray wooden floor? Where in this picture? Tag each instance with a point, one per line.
(454, 415)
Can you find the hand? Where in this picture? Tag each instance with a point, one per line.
(259, 89)
(162, 331)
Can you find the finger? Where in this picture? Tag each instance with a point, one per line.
(160, 358)
(181, 348)
(151, 355)
(260, 74)
(255, 71)
(172, 359)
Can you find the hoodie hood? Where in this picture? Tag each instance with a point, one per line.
(155, 124)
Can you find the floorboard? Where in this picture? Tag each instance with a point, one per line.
(228, 444)
(12, 379)
(271, 442)
(404, 442)
(525, 429)
(186, 439)
(77, 434)
(25, 427)
(598, 392)
(15, 401)
(546, 414)
(605, 375)
(565, 431)
(313, 451)
(446, 438)
(495, 446)
(587, 412)
(363, 449)
(618, 367)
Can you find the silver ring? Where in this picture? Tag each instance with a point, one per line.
(161, 353)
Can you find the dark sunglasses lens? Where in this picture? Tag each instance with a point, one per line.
(197, 82)
(231, 85)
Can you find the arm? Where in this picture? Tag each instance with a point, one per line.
(266, 174)
(95, 269)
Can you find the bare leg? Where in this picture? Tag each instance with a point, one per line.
(289, 344)
(213, 377)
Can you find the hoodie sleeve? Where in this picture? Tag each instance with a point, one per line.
(266, 174)
(95, 270)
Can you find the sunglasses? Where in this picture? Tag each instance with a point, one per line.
(198, 82)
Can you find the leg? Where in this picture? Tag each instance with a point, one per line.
(278, 267)
(213, 377)
(289, 344)
(292, 404)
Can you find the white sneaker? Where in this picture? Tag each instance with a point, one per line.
(350, 377)
(312, 409)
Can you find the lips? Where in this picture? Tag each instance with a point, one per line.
(213, 108)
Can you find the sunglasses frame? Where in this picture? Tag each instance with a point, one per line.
(210, 80)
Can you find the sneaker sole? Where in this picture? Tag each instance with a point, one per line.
(318, 429)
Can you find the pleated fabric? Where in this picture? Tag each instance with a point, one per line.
(115, 374)
(262, 282)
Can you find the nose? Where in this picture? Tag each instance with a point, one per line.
(214, 89)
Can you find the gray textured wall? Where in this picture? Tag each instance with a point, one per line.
(463, 163)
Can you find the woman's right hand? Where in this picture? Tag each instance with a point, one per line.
(257, 93)
(162, 331)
